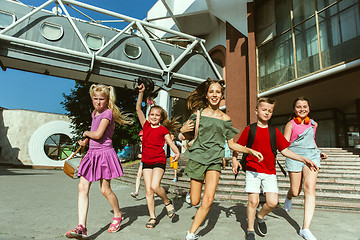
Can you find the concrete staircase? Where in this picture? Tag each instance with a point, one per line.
(338, 184)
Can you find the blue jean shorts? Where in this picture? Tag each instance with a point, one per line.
(297, 166)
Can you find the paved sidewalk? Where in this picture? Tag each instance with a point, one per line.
(42, 204)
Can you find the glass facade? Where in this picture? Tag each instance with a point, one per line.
(300, 37)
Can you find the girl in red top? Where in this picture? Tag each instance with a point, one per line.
(155, 133)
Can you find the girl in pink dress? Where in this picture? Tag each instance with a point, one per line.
(100, 162)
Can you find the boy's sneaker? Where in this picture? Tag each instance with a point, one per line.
(306, 234)
(191, 236)
(250, 235)
(261, 226)
(80, 232)
(175, 179)
(287, 204)
(187, 198)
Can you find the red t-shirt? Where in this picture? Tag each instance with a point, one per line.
(153, 144)
(262, 144)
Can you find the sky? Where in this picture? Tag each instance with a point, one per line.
(30, 91)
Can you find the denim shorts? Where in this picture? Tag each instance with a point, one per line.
(297, 166)
(254, 180)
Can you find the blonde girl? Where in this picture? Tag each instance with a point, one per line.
(100, 162)
(300, 132)
(206, 153)
(155, 133)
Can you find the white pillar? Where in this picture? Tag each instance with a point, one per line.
(163, 100)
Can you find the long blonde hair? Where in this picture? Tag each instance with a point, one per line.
(172, 125)
(109, 92)
(197, 98)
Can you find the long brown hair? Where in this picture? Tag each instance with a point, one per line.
(197, 98)
(172, 125)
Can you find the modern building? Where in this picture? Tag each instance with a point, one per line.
(34, 138)
(283, 50)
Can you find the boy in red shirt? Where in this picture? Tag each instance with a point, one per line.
(263, 173)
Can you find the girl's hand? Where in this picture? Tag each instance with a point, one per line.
(176, 157)
(235, 165)
(85, 134)
(323, 155)
(141, 88)
(256, 154)
(188, 127)
(84, 142)
(311, 165)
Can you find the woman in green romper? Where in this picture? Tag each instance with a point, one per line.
(206, 153)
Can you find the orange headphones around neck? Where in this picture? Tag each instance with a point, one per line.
(298, 120)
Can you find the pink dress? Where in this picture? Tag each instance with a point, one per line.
(101, 160)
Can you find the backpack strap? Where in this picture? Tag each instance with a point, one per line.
(250, 142)
(272, 133)
(198, 113)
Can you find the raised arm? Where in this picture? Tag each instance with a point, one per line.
(139, 111)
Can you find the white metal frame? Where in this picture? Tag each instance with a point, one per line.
(140, 25)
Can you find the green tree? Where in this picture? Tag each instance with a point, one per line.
(78, 106)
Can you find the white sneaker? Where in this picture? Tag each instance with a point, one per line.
(187, 198)
(191, 236)
(306, 234)
(288, 204)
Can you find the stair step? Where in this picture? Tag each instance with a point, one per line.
(338, 183)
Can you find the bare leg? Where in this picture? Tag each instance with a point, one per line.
(295, 184)
(271, 202)
(253, 202)
(157, 175)
(83, 201)
(310, 178)
(211, 182)
(149, 193)
(195, 191)
(138, 179)
(110, 196)
(175, 173)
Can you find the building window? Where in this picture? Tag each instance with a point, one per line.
(6, 19)
(52, 32)
(58, 147)
(317, 45)
(132, 51)
(168, 58)
(94, 42)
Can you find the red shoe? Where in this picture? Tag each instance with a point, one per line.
(115, 227)
(80, 232)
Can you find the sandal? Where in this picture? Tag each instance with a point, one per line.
(80, 232)
(151, 223)
(171, 212)
(114, 227)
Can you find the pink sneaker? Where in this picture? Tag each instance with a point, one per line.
(80, 232)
